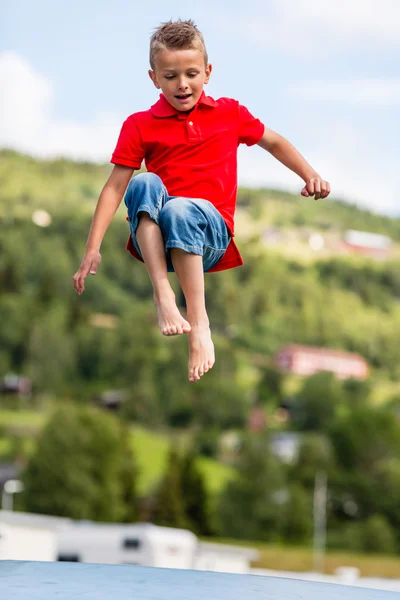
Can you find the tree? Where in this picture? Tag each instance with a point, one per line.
(317, 402)
(250, 505)
(270, 386)
(378, 535)
(365, 435)
(297, 519)
(315, 454)
(195, 495)
(83, 468)
(169, 507)
(182, 499)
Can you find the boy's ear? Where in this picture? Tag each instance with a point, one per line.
(153, 77)
(208, 73)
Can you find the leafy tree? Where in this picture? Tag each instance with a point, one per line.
(182, 499)
(270, 386)
(83, 468)
(364, 436)
(195, 495)
(250, 505)
(297, 515)
(317, 402)
(315, 454)
(169, 507)
(378, 535)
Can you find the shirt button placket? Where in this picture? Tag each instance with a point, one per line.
(193, 132)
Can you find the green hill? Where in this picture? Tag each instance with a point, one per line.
(64, 343)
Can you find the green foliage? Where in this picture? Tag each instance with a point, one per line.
(316, 454)
(270, 386)
(182, 499)
(365, 436)
(51, 334)
(375, 535)
(378, 535)
(297, 523)
(83, 468)
(317, 402)
(250, 506)
(195, 495)
(169, 507)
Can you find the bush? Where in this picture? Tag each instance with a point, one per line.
(378, 536)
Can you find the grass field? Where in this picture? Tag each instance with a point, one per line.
(296, 558)
(22, 418)
(151, 450)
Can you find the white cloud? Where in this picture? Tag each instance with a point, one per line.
(365, 92)
(27, 122)
(302, 26)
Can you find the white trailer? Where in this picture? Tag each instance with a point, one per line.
(25, 536)
(139, 544)
(39, 537)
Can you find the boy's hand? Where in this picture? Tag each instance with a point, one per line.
(317, 187)
(89, 265)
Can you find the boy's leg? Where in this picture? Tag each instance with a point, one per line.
(189, 270)
(196, 237)
(144, 199)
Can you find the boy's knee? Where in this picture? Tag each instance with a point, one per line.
(140, 184)
(146, 179)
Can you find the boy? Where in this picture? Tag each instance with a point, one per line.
(181, 212)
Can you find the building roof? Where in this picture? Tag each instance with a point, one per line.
(318, 351)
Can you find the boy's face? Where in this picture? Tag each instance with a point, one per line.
(181, 75)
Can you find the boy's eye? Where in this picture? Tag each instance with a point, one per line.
(169, 76)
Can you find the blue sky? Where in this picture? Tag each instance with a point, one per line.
(324, 74)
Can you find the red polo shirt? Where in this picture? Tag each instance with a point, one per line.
(194, 153)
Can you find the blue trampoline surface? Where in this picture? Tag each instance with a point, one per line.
(20, 580)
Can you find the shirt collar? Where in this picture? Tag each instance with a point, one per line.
(162, 108)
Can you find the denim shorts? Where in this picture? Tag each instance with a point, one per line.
(191, 224)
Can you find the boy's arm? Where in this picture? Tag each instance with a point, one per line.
(109, 200)
(287, 154)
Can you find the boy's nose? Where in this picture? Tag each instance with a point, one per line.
(183, 85)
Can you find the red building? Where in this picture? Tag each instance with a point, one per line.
(306, 360)
(370, 244)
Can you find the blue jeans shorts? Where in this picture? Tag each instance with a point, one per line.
(191, 224)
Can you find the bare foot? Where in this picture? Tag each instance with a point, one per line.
(201, 352)
(170, 320)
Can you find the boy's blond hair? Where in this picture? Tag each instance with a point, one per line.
(176, 35)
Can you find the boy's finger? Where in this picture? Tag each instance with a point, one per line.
(317, 189)
(310, 187)
(325, 189)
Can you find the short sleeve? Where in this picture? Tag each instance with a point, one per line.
(129, 149)
(251, 129)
